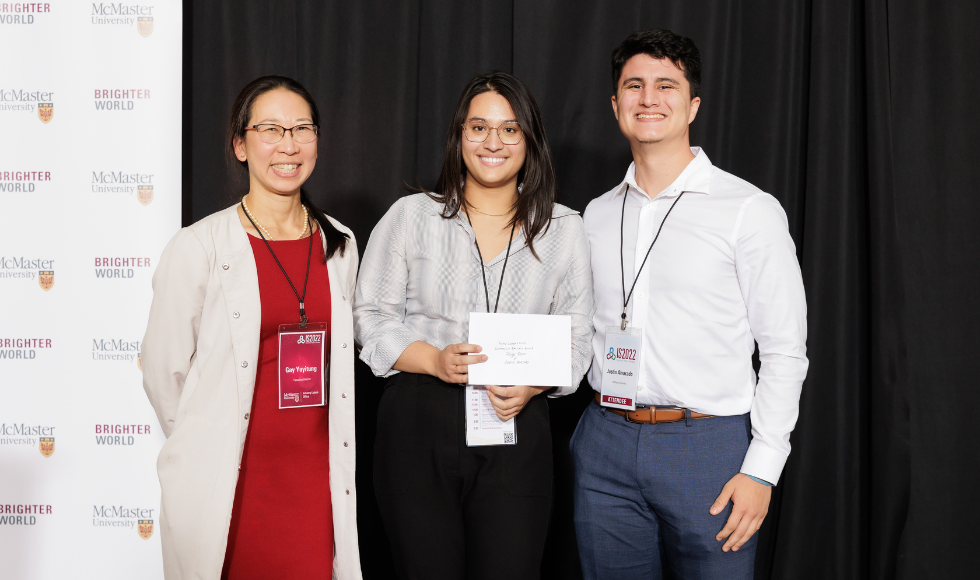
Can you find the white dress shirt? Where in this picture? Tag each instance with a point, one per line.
(722, 275)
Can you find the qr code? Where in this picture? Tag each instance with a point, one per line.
(509, 439)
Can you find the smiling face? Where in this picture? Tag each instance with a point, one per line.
(653, 102)
(492, 164)
(279, 168)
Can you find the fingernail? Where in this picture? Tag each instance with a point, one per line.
(484, 357)
(734, 549)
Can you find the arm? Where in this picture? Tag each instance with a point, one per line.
(179, 287)
(575, 298)
(387, 345)
(772, 289)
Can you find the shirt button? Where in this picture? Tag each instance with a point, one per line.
(236, 315)
(246, 416)
(345, 444)
(225, 266)
(639, 387)
(244, 364)
(343, 345)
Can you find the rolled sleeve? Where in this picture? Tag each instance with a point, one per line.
(772, 288)
(380, 295)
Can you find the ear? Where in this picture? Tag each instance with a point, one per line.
(695, 102)
(240, 149)
(615, 108)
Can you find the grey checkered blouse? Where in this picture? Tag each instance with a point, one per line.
(420, 278)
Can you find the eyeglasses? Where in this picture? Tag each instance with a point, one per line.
(272, 133)
(509, 133)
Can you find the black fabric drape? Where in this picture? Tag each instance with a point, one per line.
(855, 114)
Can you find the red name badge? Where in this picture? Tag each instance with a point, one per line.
(302, 365)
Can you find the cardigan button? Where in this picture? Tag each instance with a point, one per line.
(345, 444)
(246, 416)
(225, 266)
(348, 492)
(244, 364)
(343, 345)
(236, 315)
(343, 395)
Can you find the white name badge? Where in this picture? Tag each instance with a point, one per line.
(483, 426)
(621, 367)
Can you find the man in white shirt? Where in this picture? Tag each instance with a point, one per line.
(692, 266)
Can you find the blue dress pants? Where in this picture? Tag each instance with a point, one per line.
(642, 495)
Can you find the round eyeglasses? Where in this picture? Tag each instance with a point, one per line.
(509, 133)
(272, 133)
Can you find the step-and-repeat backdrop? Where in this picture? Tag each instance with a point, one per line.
(90, 123)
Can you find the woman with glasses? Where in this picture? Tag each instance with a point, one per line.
(248, 363)
(488, 238)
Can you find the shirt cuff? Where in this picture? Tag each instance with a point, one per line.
(763, 462)
(387, 350)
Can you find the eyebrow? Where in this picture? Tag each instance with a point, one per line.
(485, 121)
(657, 80)
(277, 121)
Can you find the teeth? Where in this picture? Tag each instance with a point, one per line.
(285, 167)
(654, 116)
(493, 159)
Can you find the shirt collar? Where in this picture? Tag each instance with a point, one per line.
(696, 177)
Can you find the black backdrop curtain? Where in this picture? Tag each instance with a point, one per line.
(855, 114)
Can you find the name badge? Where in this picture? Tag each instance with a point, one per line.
(621, 369)
(302, 365)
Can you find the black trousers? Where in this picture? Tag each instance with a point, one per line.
(452, 511)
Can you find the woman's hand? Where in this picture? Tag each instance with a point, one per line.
(452, 362)
(508, 401)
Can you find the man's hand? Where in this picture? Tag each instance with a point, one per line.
(508, 401)
(750, 504)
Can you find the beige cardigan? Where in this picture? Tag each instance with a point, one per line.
(199, 361)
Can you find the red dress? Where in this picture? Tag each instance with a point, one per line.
(282, 521)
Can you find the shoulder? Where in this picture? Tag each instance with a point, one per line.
(566, 220)
(602, 205)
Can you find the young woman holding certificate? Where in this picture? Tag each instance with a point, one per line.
(248, 363)
(490, 238)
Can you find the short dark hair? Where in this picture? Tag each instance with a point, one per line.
(538, 186)
(659, 43)
(241, 112)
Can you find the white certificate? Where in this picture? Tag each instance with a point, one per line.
(483, 426)
(522, 349)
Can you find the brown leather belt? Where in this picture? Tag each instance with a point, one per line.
(653, 415)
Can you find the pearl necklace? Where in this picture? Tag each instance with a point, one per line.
(306, 221)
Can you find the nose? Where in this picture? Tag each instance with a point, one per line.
(286, 144)
(493, 141)
(649, 97)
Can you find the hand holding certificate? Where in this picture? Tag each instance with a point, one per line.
(529, 350)
(522, 349)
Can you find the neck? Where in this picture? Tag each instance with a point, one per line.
(280, 214)
(491, 200)
(659, 164)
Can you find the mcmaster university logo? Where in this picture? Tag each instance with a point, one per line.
(118, 516)
(122, 14)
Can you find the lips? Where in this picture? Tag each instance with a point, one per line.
(491, 161)
(285, 169)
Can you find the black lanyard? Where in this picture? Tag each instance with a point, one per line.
(486, 292)
(302, 299)
(622, 269)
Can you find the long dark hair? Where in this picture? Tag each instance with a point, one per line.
(537, 189)
(241, 112)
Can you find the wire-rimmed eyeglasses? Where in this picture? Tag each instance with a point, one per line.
(509, 133)
(272, 133)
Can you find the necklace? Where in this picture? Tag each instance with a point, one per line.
(306, 221)
(488, 214)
